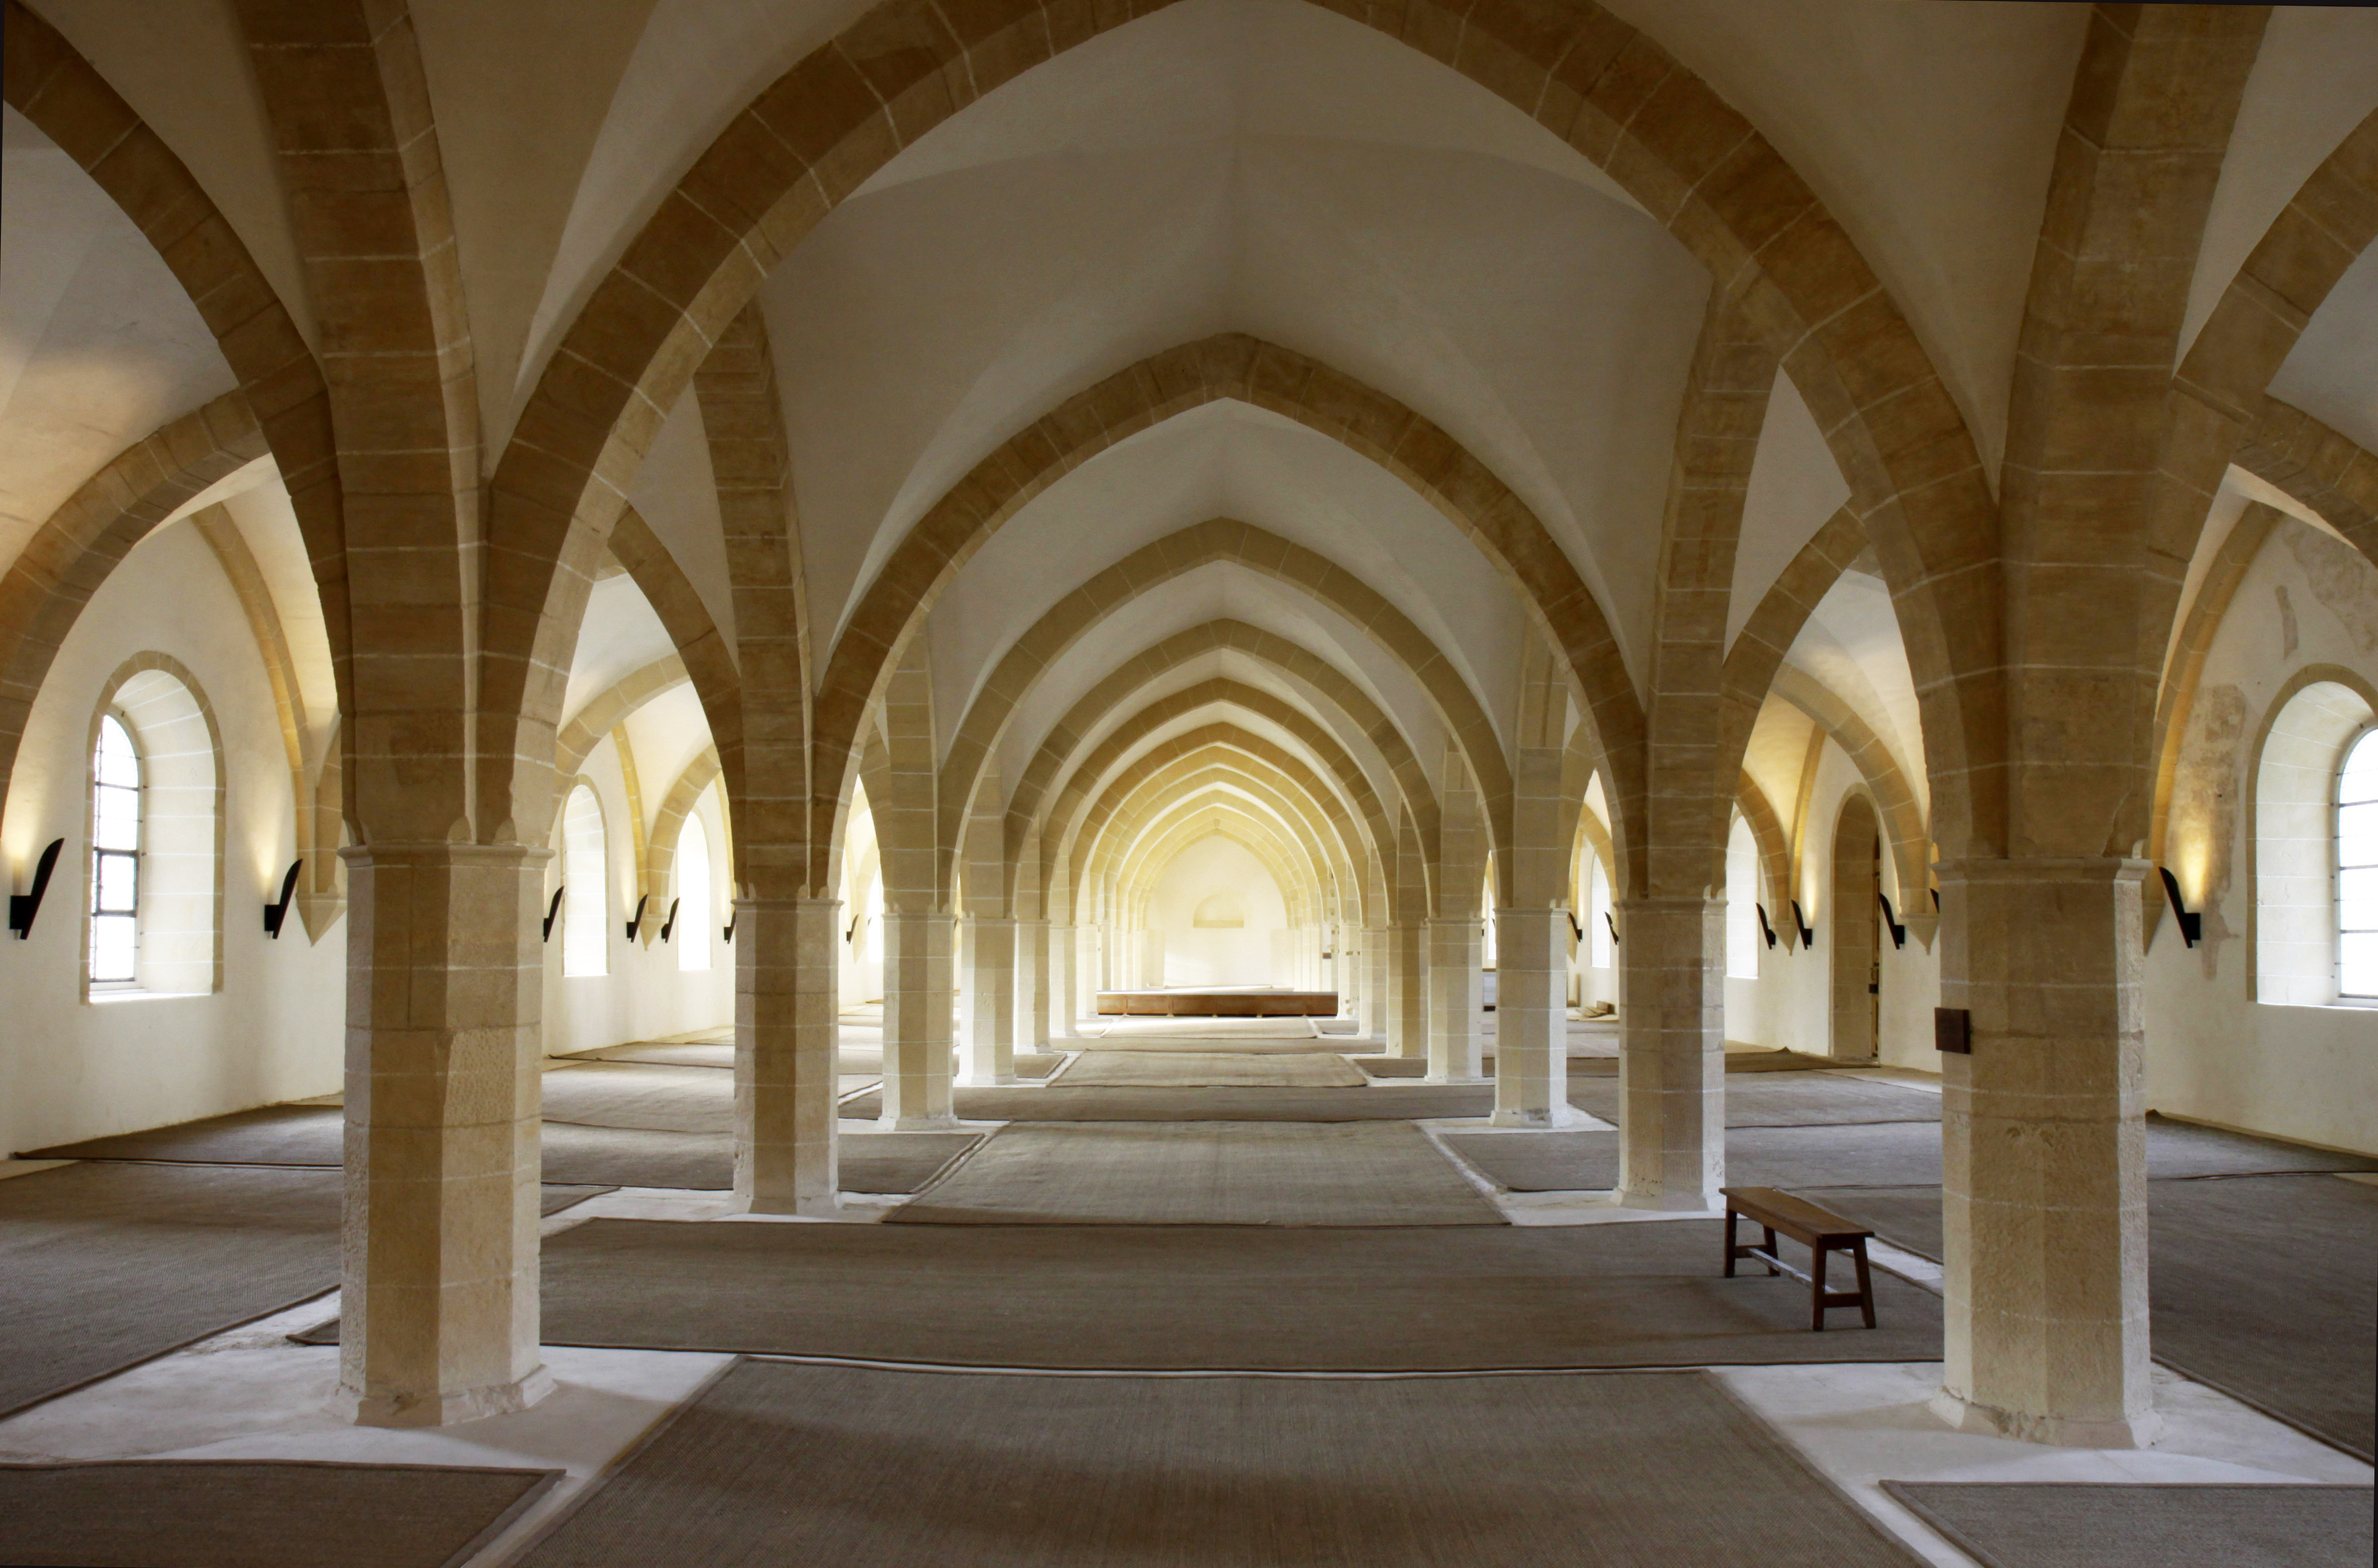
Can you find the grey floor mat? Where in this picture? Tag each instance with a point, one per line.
(2184, 1149)
(1854, 1155)
(1813, 1099)
(105, 1265)
(1208, 1069)
(2264, 1286)
(872, 1162)
(641, 1095)
(2081, 1525)
(1205, 1173)
(258, 1514)
(269, 1134)
(1453, 1297)
(788, 1463)
(600, 1156)
(1382, 1102)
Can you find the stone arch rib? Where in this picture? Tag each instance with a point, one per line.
(73, 552)
(1699, 168)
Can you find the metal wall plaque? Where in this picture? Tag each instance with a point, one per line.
(1952, 1030)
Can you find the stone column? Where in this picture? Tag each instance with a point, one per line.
(1065, 981)
(1377, 940)
(445, 993)
(1672, 1053)
(1456, 996)
(1032, 985)
(2044, 1154)
(991, 1013)
(787, 1022)
(1530, 1017)
(1407, 992)
(918, 975)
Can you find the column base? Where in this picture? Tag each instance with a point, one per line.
(1557, 1117)
(1708, 1203)
(2058, 1431)
(823, 1206)
(442, 1409)
(946, 1122)
(1451, 1079)
(987, 1080)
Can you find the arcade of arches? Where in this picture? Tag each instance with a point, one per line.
(749, 588)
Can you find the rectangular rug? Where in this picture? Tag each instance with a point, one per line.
(1855, 1154)
(1244, 1297)
(839, 1466)
(1205, 1173)
(258, 1514)
(1795, 1099)
(870, 1162)
(574, 1155)
(2084, 1524)
(1208, 1069)
(103, 1266)
(642, 1096)
(2263, 1286)
(1376, 1102)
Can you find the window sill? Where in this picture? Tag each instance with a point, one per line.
(135, 994)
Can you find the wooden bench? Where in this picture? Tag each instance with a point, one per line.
(1822, 1233)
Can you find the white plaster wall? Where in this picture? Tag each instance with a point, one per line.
(2212, 1053)
(1790, 1005)
(70, 1068)
(644, 995)
(1258, 953)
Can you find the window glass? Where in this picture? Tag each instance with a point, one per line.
(2357, 869)
(585, 937)
(116, 855)
(694, 921)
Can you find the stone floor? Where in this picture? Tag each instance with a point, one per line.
(250, 1394)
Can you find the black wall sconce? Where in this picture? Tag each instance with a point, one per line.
(1764, 929)
(669, 925)
(728, 930)
(636, 921)
(2191, 926)
(23, 907)
(278, 910)
(1891, 921)
(1808, 937)
(1614, 927)
(1576, 931)
(553, 910)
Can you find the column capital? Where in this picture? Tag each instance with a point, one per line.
(441, 851)
(2086, 869)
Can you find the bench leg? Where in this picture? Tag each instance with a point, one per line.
(1866, 1283)
(1772, 1252)
(1730, 1218)
(1817, 1256)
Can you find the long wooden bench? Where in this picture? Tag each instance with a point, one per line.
(1821, 1233)
(1217, 1003)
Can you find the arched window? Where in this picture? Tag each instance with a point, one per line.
(585, 871)
(2357, 870)
(2314, 845)
(1741, 902)
(155, 875)
(114, 856)
(695, 919)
